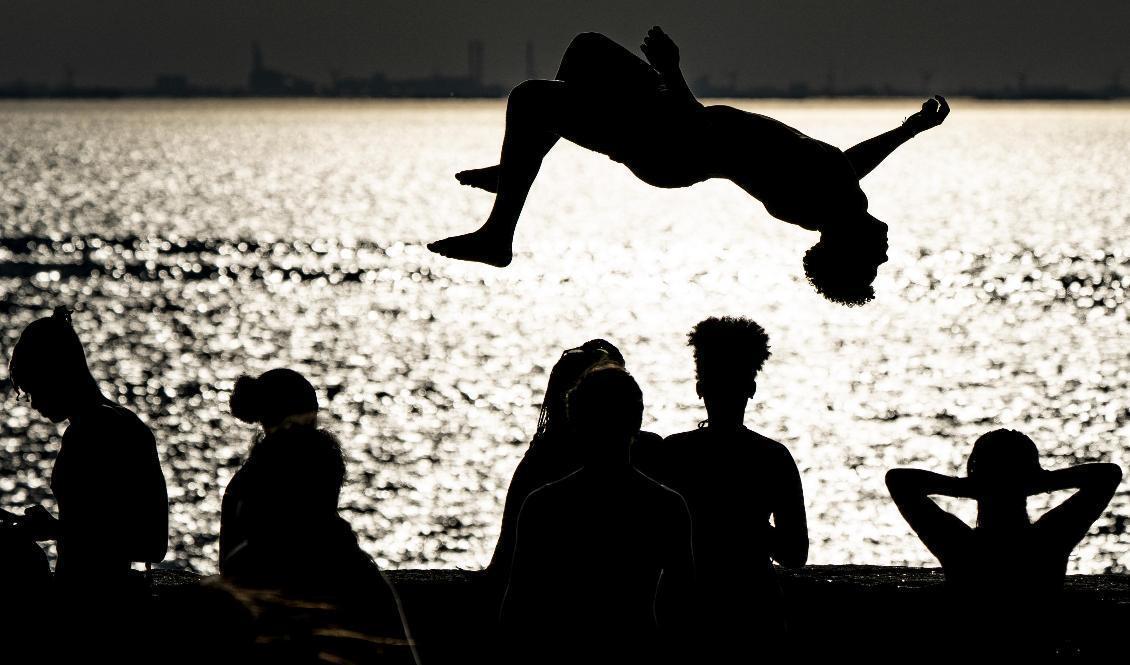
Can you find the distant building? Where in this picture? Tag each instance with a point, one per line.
(475, 61)
(266, 82)
(435, 86)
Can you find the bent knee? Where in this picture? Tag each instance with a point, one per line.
(587, 40)
(531, 92)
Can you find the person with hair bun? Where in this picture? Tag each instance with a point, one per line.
(278, 398)
(280, 530)
(275, 400)
(107, 480)
(295, 543)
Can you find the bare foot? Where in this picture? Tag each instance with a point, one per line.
(477, 246)
(485, 178)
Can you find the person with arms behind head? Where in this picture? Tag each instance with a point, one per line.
(1004, 575)
(734, 481)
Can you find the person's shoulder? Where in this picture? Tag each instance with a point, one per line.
(648, 443)
(724, 110)
(684, 437)
(549, 495)
(676, 443)
(662, 455)
(771, 448)
(111, 419)
(656, 456)
(658, 493)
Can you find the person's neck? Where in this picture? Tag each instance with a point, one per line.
(605, 472)
(609, 466)
(1003, 515)
(725, 419)
(85, 401)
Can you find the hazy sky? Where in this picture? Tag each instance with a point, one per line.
(1083, 43)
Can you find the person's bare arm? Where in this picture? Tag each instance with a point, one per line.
(1068, 522)
(911, 490)
(676, 605)
(865, 156)
(663, 55)
(523, 578)
(788, 538)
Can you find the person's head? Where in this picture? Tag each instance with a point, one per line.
(49, 365)
(844, 263)
(277, 399)
(606, 411)
(728, 353)
(564, 375)
(1003, 462)
(298, 470)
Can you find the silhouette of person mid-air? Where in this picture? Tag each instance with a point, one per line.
(1004, 574)
(593, 547)
(644, 116)
(553, 453)
(734, 481)
(107, 480)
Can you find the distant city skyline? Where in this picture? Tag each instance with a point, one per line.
(818, 44)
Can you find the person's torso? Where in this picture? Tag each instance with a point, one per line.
(1001, 585)
(729, 483)
(605, 551)
(1019, 566)
(108, 454)
(799, 179)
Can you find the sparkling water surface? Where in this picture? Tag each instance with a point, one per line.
(199, 240)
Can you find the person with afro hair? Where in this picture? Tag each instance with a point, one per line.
(743, 490)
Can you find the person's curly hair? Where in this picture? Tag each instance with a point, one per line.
(728, 346)
(838, 275)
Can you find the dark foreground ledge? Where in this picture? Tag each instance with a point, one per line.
(866, 611)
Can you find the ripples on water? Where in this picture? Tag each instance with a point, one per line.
(201, 240)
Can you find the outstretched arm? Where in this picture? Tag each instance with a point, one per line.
(865, 156)
(911, 490)
(1068, 522)
(663, 55)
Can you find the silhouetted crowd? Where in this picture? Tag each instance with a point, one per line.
(616, 545)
